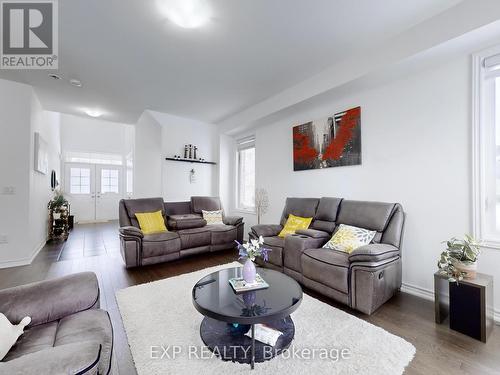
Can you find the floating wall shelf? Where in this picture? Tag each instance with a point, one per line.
(191, 161)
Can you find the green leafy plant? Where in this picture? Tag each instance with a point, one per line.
(464, 251)
(58, 200)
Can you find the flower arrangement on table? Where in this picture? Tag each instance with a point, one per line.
(249, 251)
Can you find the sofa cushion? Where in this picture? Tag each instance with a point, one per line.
(223, 234)
(294, 223)
(34, 339)
(151, 222)
(160, 244)
(213, 217)
(87, 326)
(177, 208)
(276, 244)
(368, 215)
(303, 207)
(199, 204)
(328, 209)
(348, 238)
(328, 267)
(195, 237)
(134, 206)
(186, 221)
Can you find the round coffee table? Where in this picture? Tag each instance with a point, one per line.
(228, 315)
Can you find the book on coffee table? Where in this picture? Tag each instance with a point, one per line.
(239, 285)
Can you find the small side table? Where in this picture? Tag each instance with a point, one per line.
(469, 304)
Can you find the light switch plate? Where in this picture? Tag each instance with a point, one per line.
(8, 190)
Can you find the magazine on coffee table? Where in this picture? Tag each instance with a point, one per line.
(239, 285)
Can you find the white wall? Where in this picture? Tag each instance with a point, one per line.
(175, 132)
(416, 150)
(148, 158)
(47, 124)
(85, 134)
(24, 215)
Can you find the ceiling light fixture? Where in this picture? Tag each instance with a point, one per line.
(93, 112)
(186, 13)
(75, 82)
(54, 76)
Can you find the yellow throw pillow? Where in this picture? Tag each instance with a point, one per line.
(348, 238)
(294, 223)
(151, 222)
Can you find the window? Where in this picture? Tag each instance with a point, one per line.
(246, 174)
(109, 181)
(93, 158)
(80, 181)
(486, 147)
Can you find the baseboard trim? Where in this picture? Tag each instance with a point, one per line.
(24, 261)
(429, 295)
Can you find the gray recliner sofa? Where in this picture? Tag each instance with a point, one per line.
(68, 333)
(363, 279)
(188, 233)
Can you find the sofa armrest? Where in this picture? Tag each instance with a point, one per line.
(313, 233)
(76, 358)
(266, 230)
(51, 300)
(295, 245)
(373, 253)
(233, 220)
(131, 231)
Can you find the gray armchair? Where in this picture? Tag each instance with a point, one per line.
(68, 333)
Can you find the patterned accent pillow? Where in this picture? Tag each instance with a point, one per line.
(348, 238)
(213, 217)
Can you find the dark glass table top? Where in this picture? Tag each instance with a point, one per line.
(215, 298)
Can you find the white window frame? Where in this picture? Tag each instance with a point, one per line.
(479, 134)
(241, 145)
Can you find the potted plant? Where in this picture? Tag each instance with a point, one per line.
(249, 251)
(57, 201)
(459, 260)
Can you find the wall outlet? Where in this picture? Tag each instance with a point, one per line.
(4, 238)
(8, 190)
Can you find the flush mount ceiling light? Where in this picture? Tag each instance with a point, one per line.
(93, 112)
(54, 76)
(186, 13)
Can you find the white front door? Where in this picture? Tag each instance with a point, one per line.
(93, 191)
(108, 192)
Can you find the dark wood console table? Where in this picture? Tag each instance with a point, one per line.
(469, 304)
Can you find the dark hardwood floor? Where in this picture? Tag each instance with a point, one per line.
(95, 247)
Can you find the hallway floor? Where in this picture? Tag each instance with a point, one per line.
(87, 240)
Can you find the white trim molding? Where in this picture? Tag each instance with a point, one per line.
(479, 137)
(23, 261)
(429, 295)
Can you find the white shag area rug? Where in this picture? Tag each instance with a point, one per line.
(159, 316)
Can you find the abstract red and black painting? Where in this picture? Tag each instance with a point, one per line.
(334, 141)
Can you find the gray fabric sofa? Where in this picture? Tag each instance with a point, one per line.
(364, 279)
(68, 333)
(188, 233)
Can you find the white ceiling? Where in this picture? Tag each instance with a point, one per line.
(130, 58)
